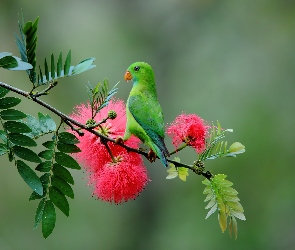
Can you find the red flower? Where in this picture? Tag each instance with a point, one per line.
(121, 181)
(190, 129)
(93, 153)
(117, 181)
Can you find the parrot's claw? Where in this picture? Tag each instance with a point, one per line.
(119, 140)
(151, 156)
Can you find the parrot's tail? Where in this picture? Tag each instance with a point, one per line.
(161, 151)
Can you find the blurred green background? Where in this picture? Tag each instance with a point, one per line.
(228, 60)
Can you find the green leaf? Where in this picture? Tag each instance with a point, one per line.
(44, 166)
(30, 31)
(48, 219)
(8, 102)
(67, 148)
(42, 78)
(67, 138)
(10, 156)
(59, 200)
(182, 173)
(222, 218)
(12, 114)
(63, 186)
(238, 215)
(35, 196)
(211, 211)
(26, 154)
(3, 149)
(237, 148)
(22, 140)
(3, 91)
(16, 127)
(46, 154)
(34, 125)
(100, 95)
(45, 181)
(39, 213)
(29, 177)
(233, 226)
(223, 197)
(62, 173)
(8, 62)
(67, 63)
(66, 160)
(21, 65)
(83, 66)
(46, 123)
(3, 136)
(172, 172)
(52, 66)
(59, 65)
(49, 144)
(46, 70)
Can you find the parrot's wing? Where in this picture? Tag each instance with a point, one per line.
(148, 114)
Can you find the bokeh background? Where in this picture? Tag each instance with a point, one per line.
(230, 60)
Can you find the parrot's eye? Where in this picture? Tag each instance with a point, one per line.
(136, 68)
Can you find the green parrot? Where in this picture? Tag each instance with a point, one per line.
(144, 114)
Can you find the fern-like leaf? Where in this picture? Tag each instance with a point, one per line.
(100, 96)
(30, 30)
(215, 148)
(223, 198)
(62, 70)
(27, 44)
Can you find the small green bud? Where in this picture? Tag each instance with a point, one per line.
(90, 122)
(112, 114)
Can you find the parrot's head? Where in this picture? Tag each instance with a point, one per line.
(139, 71)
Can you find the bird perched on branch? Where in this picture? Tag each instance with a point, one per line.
(145, 118)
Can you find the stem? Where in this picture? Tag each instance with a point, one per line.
(98, 123)
(179, 149)
(109, 150)
(206, 174)
(44, 91)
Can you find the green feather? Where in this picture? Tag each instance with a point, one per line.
(145, 118)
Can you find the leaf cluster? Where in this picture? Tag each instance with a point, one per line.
(27, 45)
(18, 136)
(100, 96)
(62, 70)
(223, 198)
(216, 148)
(176, 170)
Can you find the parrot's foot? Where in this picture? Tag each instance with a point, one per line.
(119, 140)
(151, 156)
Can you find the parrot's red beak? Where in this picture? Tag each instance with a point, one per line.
(127, 76)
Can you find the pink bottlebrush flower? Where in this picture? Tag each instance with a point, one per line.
(121, 181)
(117, 181)
(190, 129)
(93, 153)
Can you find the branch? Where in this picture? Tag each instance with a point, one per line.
(196, 170)
(66, 118)
(70, 122)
